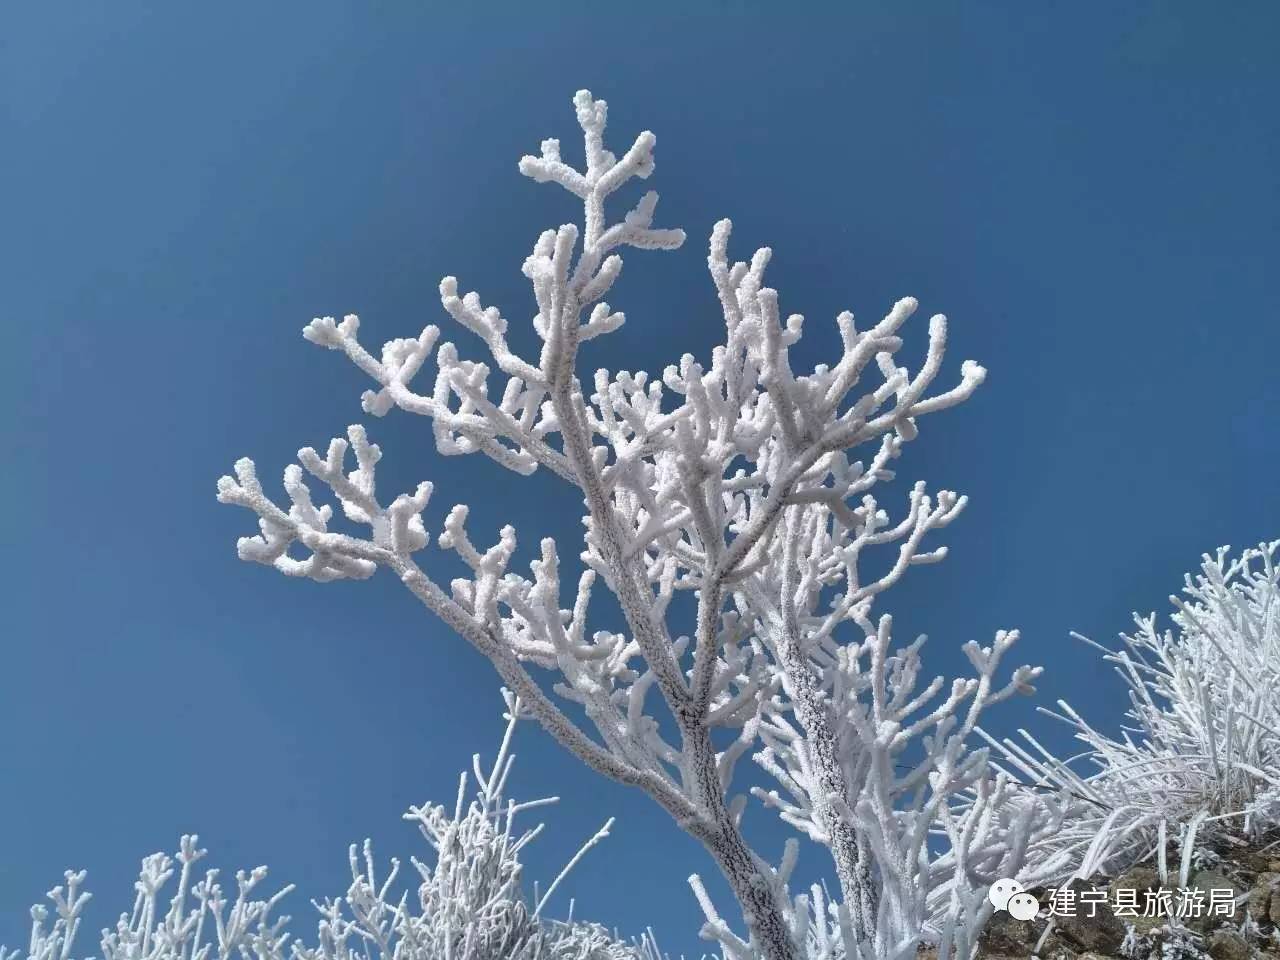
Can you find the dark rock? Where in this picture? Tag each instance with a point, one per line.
(1100, 933)
(1205, 881)
(1005, 935)
(1228, 945)
(1261, 894)
(1137, 878)
(1140, 880)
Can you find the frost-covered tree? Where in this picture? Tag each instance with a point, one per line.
(1199, 754)
(470, 903)
(750, 485)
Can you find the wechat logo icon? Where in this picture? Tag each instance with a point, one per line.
(1007, 894)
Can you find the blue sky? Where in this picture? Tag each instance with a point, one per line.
(1087, 190)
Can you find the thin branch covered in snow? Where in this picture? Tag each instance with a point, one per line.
(469, 904)
(745, 481)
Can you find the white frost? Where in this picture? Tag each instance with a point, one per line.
(751, 484)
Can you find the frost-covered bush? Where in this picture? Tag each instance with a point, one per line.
(1200, 752)
(745, 482)
(469, 905)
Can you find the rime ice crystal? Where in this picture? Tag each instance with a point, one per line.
(1202, 745)
(469, 904)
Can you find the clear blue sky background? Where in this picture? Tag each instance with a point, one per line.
(1087, 190)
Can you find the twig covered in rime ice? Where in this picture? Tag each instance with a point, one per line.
(751, 485)
(469, 905)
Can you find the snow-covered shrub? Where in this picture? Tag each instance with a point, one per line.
(742, 481)
(469, 905)
(1200, 753)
